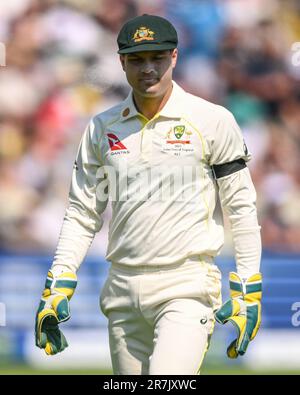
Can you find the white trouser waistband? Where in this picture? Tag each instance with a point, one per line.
(191, 260)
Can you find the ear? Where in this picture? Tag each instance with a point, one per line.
(122, 60)
(174, 57)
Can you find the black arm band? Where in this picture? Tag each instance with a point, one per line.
(228, 168)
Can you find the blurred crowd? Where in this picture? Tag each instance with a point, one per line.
(62, 68)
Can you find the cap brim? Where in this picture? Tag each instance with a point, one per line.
(148, 47)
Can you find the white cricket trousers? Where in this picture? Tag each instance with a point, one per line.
(160, 318)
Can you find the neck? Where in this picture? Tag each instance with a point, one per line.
(149, 107)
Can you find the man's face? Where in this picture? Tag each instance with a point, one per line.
(149, 73)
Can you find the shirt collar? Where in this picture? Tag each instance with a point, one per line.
(172, 109)
(128, 109)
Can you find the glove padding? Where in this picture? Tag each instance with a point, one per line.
(243, 310)
(53, 309)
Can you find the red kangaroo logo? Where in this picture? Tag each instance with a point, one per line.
(114, 142)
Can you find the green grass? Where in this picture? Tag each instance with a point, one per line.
(209, 370)
(236, 370)
(29, 370)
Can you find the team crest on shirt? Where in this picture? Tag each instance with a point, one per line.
(178, 141)
(178, 135)
(143, 33)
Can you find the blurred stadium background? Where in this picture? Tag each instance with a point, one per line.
(61, 68)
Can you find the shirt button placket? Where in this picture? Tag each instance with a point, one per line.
(146, 144)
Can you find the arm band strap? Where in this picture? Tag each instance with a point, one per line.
(228, 168)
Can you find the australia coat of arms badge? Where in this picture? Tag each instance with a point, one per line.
(143, 33)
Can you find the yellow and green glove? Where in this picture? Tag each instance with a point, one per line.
(243, 310)
(53, 309)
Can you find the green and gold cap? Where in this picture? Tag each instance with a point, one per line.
(147, 33)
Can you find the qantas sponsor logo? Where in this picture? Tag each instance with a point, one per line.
(114, 142)
(116, 146)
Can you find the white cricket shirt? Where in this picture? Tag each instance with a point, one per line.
(165, 200)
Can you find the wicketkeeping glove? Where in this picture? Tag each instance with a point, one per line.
(53, 309)
(243, 310)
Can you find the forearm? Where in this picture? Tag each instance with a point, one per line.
(247, 245)
(76, 236)
(238, 199)
(74, 242)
